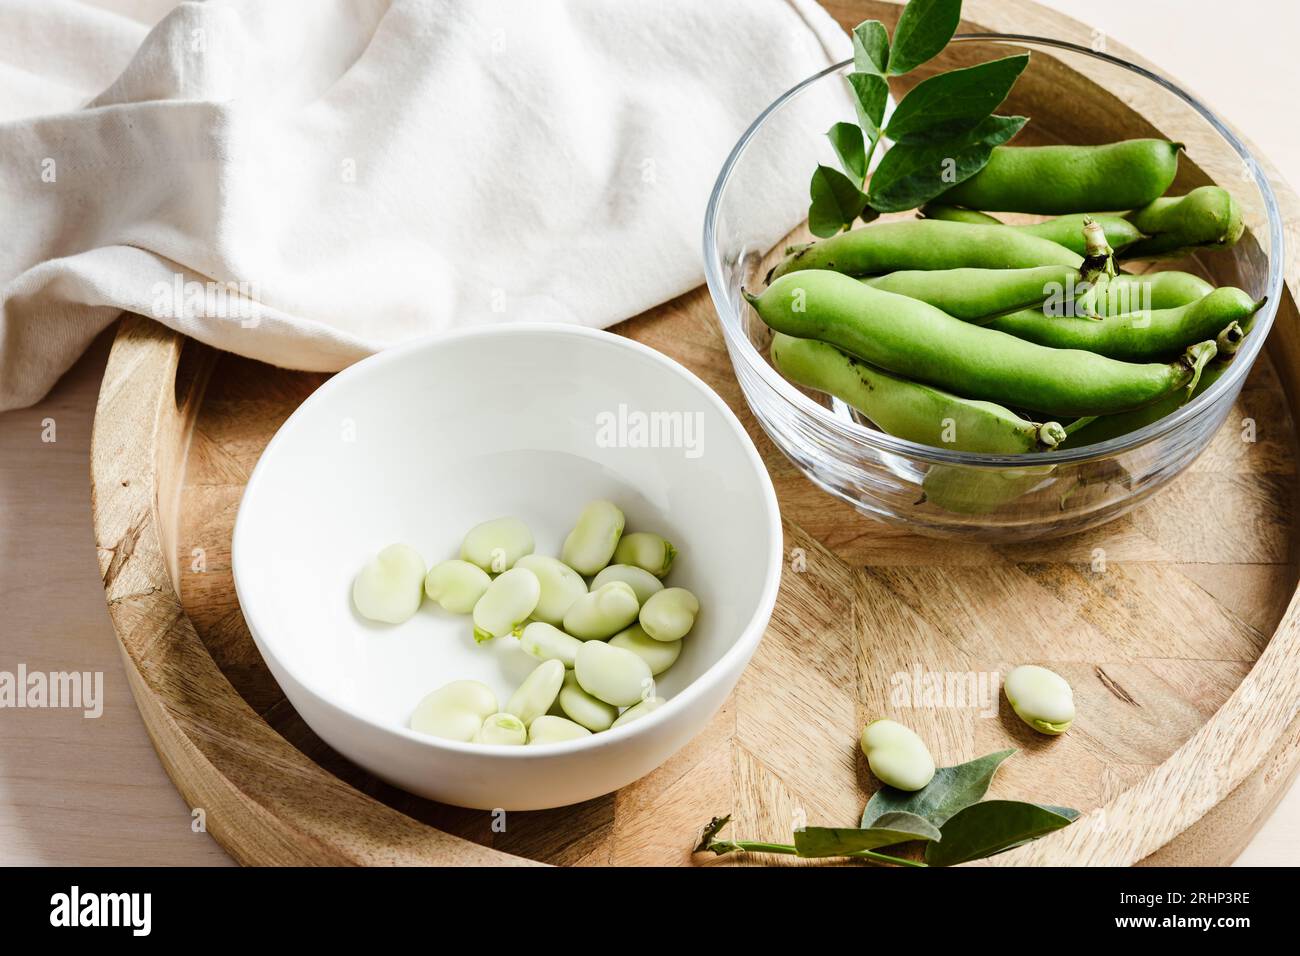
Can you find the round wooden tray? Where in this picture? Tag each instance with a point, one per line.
(1176, 625)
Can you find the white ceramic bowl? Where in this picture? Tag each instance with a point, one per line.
(420, 443)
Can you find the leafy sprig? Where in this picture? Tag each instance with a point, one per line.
(949, 816)
(943, 131)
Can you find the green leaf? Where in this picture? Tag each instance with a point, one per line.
(842, 841)
(870, 94)
(870, 47)
(836, 202)
(912, 174)
(949, 104)
(988, 828)
(846, 140)
(923, 30)
(951, 790)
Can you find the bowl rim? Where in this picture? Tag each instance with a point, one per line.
(742, 350)
(733, 658)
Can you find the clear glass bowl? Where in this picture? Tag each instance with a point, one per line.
(1072, 95)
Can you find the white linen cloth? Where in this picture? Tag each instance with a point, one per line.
(306, 181)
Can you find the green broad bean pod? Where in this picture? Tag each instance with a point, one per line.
(456, 585)
(496, 545)
(583, 708)
(641, 581)
(670, 614)
(896, 755)
(926, 244)
(647, 551)
(976, 295)
(611, 674)
(538, 692)
(1154, 290)
(637, 711)
(1206, 218)
(502, 730)
(546, 642)
(549, 729)
(1113, 426)
(603, 612)
(454, 711)
(1060, 180)
(506, 604)
(560, 584)
(1063, 230)
(922, 343)
(904, 409)
(659, 655)
(591, 543)
(390, 587)
(968, 490)
(1134, 336)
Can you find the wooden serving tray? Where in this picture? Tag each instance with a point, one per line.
(1176, 625)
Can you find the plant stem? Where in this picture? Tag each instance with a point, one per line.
(787, 849)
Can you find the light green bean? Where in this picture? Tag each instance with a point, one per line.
(496, 545)
(896, 755)
(612, 674)
(647, 551)
(583, 708)
(549, 729)
(502, 730)
(637, 711)
(670, 614)
(641, 581)
(456, 585)
(602, 613)
(561, 586)
(390, 587)
(454, 711)
(1041, 698)
(506, 604)
(659, 655)
(546, 642)
(591, 543)
(538, 692)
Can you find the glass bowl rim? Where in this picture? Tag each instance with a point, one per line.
(740, 346)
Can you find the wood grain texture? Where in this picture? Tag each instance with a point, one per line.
(1176, 625)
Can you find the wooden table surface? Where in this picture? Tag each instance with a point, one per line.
(78, 791)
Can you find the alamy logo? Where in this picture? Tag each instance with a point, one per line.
(75, 908)
(630, 428)
(73, 690)
(219, 300)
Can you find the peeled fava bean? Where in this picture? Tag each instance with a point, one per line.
(454, 711)
(561, 586)
(496, 545)
(390, 587)
(456, 585)
(659, 655)
(506, 604)
(644, 550)
(549, 729)
(641, 581)
(537, 693)
(546, 642)
(593, 539)
(583, 708)
(602, 613)
(504, 729)
(636, 712)
(612, 674)
(1041, 698)
(896, 755)
(670, 614)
